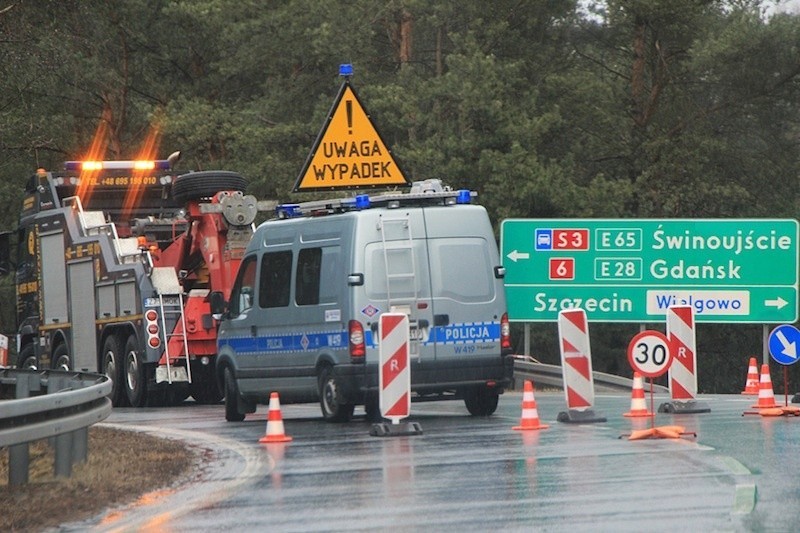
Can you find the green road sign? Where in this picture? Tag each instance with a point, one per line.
(728, 270)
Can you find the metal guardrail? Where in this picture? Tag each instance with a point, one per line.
(49, 404)
(551, 376)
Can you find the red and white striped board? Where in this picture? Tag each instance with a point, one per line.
(682, 340)
(683, 370)
(576, 359)
(394, 374)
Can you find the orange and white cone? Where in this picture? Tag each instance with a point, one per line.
(530, 415)
(751, 386)
(275, 432)
(766, 398)
(638, 402)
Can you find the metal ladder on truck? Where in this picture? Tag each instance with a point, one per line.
(170, 303)
(401, 276)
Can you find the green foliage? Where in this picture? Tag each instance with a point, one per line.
(649, 108)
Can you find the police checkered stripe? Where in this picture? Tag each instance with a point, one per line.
(576, 359)
(394, 341)
(681, 334)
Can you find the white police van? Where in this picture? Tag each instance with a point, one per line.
(302, 319)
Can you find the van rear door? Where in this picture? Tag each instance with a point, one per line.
(396, 260)
(467, 299)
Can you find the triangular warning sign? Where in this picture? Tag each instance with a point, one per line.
(349, 152)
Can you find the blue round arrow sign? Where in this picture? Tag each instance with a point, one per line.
(784, 342)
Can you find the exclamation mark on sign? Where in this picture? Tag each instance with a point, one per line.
(349, 108)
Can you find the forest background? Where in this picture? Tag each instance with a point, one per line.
(548, 108)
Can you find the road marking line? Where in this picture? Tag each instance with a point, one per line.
(744, 498)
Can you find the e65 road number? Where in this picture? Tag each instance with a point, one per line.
(649, 353)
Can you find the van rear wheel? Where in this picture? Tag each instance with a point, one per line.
(481, 401)
(330, 398)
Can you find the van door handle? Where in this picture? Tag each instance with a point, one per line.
(441, 320)
(254, 331)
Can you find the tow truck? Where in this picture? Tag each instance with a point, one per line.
(115, 261)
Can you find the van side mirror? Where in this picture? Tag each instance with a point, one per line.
(217, 302)
(499, 272)
(5, 253)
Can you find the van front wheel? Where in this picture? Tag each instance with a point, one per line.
(232, 412)
(330, 398)
(481, 401)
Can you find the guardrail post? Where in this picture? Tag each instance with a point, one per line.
(19, 454)
(80, 445)
(63, 462)
(63, 441)
(18, 464)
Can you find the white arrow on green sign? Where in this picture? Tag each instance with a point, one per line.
(729, 270)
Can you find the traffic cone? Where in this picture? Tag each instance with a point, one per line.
(274, 422)
(530, 415)
(766, 398)
(751, 386)
(638, 402)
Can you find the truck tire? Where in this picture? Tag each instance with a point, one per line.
(112, 367)
(27, 358)
(232, 412)
(329, 398)
(134, 372)
(204, 184)
(61, 359)
(204, 387)
(481, 401)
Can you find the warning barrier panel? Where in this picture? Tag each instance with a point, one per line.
(576, 364)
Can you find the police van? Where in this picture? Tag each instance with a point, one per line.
(302, 317)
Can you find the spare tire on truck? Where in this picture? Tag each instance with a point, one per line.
(206, 183)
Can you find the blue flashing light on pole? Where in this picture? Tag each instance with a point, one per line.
(345, 70)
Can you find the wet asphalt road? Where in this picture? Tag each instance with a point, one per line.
(476, 474)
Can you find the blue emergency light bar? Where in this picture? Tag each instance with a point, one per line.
(422, 193)
(158, 164)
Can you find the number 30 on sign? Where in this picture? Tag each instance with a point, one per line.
(649, 353)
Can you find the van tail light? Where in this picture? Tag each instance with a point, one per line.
(355, 335)
(505, 335)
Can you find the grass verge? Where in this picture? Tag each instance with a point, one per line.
(122, 465)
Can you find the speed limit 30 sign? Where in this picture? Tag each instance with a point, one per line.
(649, 353)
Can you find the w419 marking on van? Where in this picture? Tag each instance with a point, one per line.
(464, 348)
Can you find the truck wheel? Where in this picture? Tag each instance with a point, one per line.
(196, 185)
(135, 378)
(61, 360)
(329, 398)
(232, 413)
(112, 367)
(204, 387)
(481, 401)
(27, 358)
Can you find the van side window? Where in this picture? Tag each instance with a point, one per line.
(275, 282)
(309, 263)
(244, 288)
